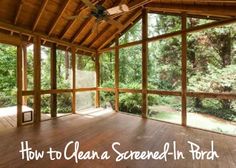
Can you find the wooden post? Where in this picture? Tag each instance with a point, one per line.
(184, 70)
(24, 68)
(144, 64)
(19, 85)
(97, 66)
(73, 54)
(117, 74)
(37, 79)
(53, 80)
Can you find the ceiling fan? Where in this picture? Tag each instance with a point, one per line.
(102, 14)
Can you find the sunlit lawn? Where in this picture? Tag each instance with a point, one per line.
(203, 121)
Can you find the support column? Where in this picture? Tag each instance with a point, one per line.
(19, 85)
(117, 74)
(37, 79)
(53, 80)
(144, 64)
(73, 54)
(24, 68)
(97, 66)
(184, 70)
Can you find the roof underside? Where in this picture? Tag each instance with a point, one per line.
(49, 17)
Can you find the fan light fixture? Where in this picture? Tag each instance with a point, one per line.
(118, 9)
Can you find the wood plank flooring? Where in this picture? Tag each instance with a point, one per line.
(97, 131)
(8, 117)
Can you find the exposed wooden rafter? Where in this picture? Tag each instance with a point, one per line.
(86, 35)
(70, 24)
(83, 26)
(42, 8)
(58, 17)
(19, 9)
(98, 35)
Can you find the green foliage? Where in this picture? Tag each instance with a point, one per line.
(133, 34)
(45, 104)
(161, 24)
(107, 99)
(85, 63)
(193, 22)
(107, 69)
(164, 65)
(214, 107)
(64, 103)
(7, 75)
(216, 80)
(130, 70)
(130, 103)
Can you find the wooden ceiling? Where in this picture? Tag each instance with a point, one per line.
(49, 17)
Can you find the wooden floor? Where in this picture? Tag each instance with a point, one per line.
(8, 116)
(99, 129)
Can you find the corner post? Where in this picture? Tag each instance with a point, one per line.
(53, 80)
(117, 73)
(184, 69)
(144, 64)
(19, 85)
(73, 54)
(97, 66)
(37, 79)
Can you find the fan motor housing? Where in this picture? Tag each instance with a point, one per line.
(100, 13)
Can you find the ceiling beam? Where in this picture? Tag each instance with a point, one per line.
(58, 17)
(200, 2)
(20, 30)
(42, 8)
(19, 9)
(207, 10)
(4, 38)
(132, 19)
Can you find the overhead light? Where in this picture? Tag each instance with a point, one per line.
(118, 9)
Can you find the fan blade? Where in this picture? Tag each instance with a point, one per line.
(81, 15)
(89, 4)
(72, 17)
(134, 7)
(95, 27)
(114, 22)
(118, 9)
(123, 2)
